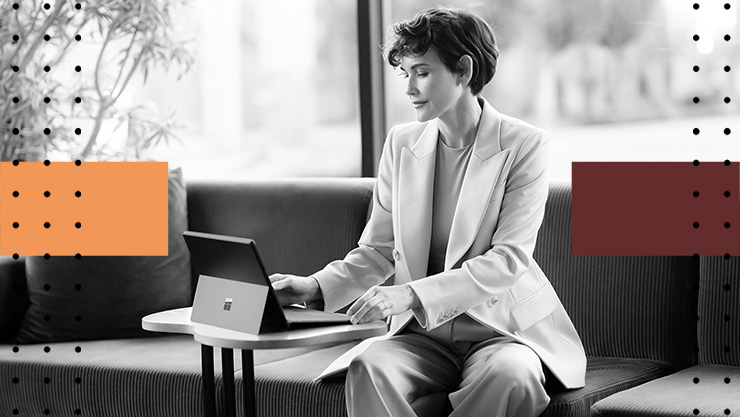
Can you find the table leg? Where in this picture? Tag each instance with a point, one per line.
(209, 384)
(250, 400)
(227, 366)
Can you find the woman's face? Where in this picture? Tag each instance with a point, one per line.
(433, 89)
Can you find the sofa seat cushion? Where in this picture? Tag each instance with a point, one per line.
(604, 377)
(158, 376)
(704, 390)
(286, 388)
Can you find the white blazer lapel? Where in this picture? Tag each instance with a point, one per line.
(483, 172)
(415, 192)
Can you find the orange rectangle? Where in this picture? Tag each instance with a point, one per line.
(94, 209)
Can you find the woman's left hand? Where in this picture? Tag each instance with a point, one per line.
(381, 302)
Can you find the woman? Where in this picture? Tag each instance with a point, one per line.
(458, 202)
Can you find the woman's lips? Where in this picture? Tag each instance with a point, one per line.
(418, 104)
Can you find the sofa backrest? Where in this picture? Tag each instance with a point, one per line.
(622, 306)
(299, 225)
(719, 311)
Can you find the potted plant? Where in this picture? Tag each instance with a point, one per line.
(45, 98)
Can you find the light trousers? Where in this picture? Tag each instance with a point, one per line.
(412, 374)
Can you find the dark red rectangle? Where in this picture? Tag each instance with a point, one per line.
(656, 208)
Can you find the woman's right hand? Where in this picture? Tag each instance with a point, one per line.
(293, 289)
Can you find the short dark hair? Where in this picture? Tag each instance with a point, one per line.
(452, 33)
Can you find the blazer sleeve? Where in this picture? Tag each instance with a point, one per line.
(371, 263)
(448, 294)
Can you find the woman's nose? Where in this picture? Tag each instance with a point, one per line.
(411, 87)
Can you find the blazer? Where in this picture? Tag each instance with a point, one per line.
(489, 270)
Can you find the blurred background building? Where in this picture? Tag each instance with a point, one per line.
(276, 93)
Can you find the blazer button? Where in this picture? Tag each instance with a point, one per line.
(493, 301)
(396, 254)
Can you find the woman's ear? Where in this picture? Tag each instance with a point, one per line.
(465, 69)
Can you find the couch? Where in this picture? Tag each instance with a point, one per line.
(662, 334)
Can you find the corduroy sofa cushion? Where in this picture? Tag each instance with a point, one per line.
(719, 311)
(604, 377)
(152, 377)
(704, 390)
(299, 225)
(622, 306)
(286, 388)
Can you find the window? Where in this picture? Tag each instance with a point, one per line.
(610, 81)
(274, 92)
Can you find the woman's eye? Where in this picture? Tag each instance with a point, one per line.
(422, 74)
(403, 74)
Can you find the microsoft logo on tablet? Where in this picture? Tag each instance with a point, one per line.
(227, 303)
